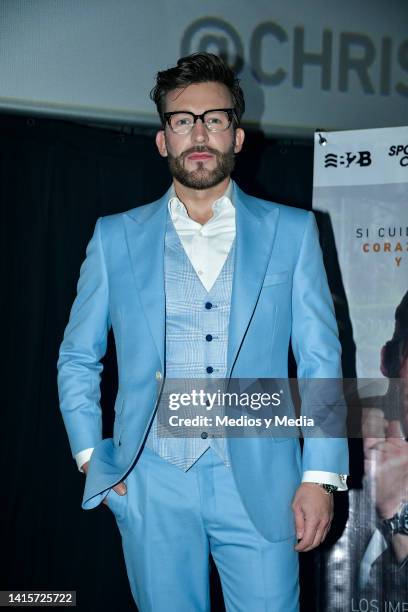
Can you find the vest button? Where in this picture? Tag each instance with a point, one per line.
(204, 435)
(158, 375)
(208, 337)
(210, 370)
(208, 305)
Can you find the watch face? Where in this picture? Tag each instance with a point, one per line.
(403, 522)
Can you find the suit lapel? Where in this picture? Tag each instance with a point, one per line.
(145, 234)
(256, 223)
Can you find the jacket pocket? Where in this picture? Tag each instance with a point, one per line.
(276, 278)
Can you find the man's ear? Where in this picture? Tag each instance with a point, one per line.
(161, 143)
(239, 139)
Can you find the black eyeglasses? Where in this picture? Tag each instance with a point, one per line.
(215, 120)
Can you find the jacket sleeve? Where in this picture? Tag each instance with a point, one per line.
(317, 352)
(83, 346)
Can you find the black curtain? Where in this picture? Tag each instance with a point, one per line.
(56, 179)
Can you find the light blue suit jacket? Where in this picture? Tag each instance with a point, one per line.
(279, 292)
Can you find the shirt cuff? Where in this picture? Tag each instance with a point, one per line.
(82, 457)
(330, 478)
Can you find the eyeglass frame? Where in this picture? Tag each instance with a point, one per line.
(232, 116)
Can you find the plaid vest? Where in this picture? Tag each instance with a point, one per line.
(193, 315)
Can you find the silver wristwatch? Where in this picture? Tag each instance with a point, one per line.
(328, 489)
(397, 523)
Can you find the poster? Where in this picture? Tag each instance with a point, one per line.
(361, 198)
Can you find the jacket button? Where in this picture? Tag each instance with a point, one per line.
(158, 375)
(204, 435)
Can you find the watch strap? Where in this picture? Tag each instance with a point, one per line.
(328, 489)
(397, 523)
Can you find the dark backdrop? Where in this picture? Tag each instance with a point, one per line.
(56, 178)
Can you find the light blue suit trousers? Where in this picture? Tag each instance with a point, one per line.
(170, 520)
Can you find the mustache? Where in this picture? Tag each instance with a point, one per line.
(198, 149)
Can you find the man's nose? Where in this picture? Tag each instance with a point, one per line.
(199, 132)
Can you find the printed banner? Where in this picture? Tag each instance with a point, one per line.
(361, 187)
(360, 199)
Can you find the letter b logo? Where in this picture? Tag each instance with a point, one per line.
(365, 158)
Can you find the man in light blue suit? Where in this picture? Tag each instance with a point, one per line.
(206, 282)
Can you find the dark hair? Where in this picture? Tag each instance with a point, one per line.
(198, 68)
(396, 349)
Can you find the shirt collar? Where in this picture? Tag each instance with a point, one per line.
(224, 204)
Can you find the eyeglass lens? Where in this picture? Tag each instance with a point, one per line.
(215, 121)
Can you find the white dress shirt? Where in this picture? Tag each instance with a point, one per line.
(207, 247)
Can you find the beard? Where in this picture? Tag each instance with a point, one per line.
(201, 178)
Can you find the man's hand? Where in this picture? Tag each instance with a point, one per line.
(313, 509)
(374, 427)
(387, 464)
(120, 488)
(85, 467)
